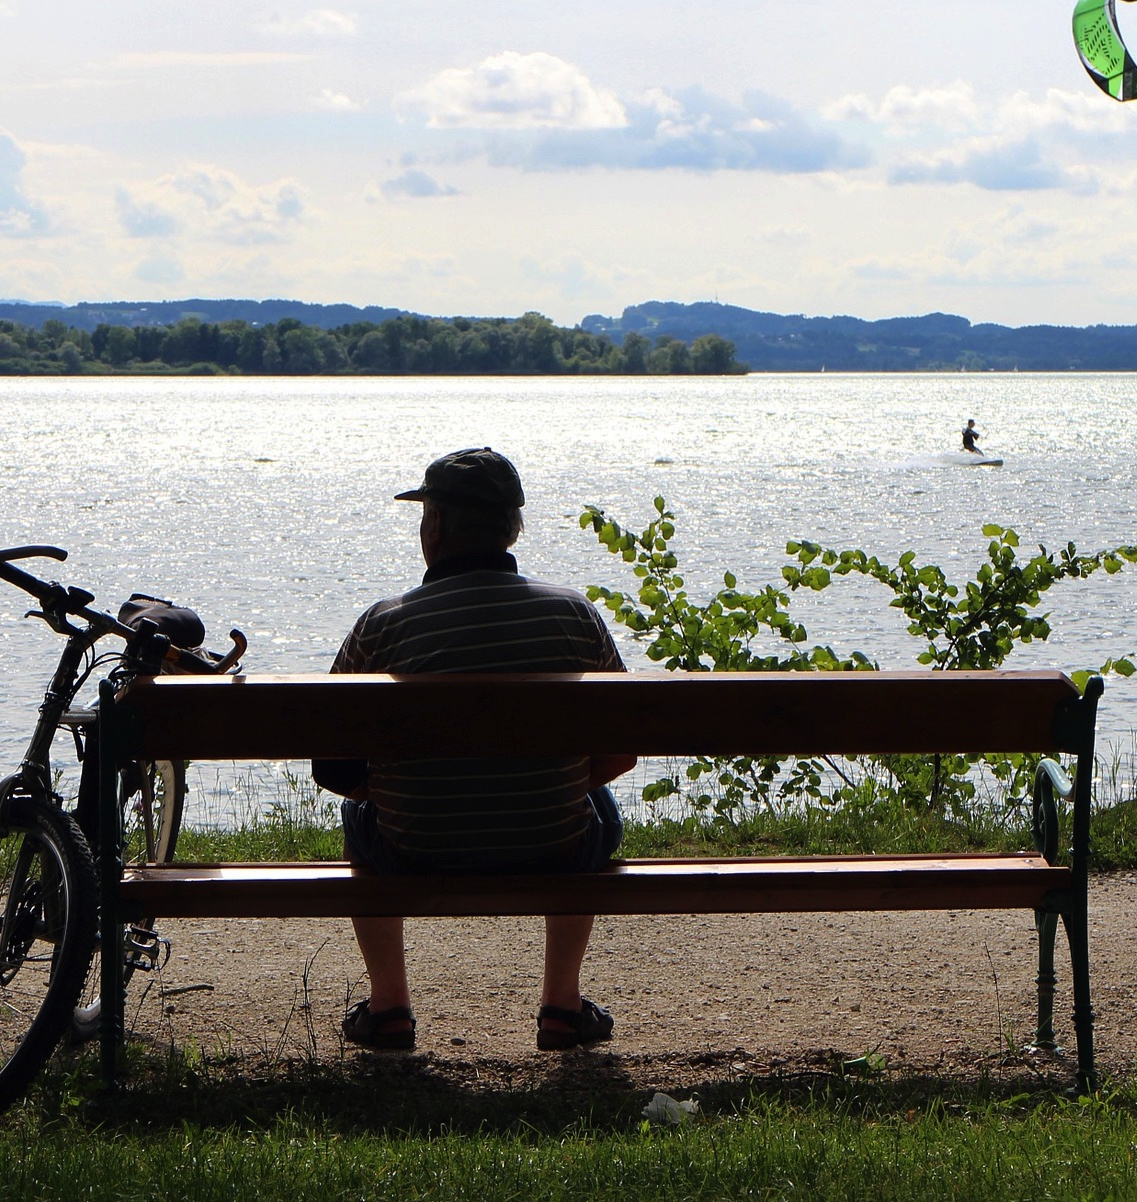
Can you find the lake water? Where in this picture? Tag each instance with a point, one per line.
(266, 503)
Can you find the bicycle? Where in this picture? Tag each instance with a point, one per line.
(48, 880)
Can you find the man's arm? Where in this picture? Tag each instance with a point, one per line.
(348, 778)
(605, 768)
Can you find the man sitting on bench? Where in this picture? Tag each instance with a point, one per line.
(473, 612)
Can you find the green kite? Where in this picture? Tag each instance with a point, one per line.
(1101, 49)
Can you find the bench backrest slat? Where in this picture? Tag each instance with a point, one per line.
(293, 717)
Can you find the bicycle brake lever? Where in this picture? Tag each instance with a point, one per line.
(57, 622)
(58, 602)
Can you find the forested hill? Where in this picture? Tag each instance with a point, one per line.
(935, 342)
(658, 336)
(404, 345)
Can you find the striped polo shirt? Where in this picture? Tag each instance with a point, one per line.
(477, 614)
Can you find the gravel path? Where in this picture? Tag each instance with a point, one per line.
(693, 997)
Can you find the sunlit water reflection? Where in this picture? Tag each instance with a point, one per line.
(266, 504)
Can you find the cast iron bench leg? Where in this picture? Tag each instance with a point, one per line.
(1077, 932)
(1047, 924)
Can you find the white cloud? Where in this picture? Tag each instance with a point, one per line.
(204, 200)
(288, 202)
(904, 109)
(693, 130)
(12, 160)
(995, 164)
(1011, 142)
(536, 112)
(213, 186)
(660, 101)
(415, 185)
(317, 22)
(573, 277)
(1076, 112)
(1008, 248)
(143, 218)
(955, 108)
(514, 91)
(785, 235)
(19, 215)
(336, 102)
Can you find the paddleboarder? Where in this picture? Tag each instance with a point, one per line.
(970, 434)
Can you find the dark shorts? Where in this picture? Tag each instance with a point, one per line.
(367, 846)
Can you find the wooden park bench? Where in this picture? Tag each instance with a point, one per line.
(352, 717)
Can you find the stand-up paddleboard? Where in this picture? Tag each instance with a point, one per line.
(963, 458)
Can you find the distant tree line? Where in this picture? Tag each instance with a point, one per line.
(405, 345)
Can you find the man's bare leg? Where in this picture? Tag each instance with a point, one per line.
(384, 956)
(385, 1019)
(381, 943)
(566, 941)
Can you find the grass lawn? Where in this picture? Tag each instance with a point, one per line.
(188, 1128)
(195, 1125)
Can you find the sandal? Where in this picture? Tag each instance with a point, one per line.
(590, 1023)
(362, 1027)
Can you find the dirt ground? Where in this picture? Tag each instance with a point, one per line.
(694, 998)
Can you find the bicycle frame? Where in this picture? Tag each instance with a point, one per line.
(35, 768)
(145, 651)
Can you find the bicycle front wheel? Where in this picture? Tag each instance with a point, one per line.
(48, 915)
(152, 796)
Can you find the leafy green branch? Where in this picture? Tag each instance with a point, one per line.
(717, 635)
(973, 626)
(976, 626)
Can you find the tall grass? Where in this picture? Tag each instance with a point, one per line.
(275, 813)
(282, 816)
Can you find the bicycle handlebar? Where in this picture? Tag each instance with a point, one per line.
(58, 602)
(30, 552)
(40, 589)
(182, 660)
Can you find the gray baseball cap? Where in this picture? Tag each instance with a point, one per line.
(477, 476)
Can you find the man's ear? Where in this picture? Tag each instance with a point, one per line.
(430, 532)
(432, 519)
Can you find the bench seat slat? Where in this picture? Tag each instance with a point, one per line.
(964, 882)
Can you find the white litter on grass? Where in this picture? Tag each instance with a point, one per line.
(665, 1109)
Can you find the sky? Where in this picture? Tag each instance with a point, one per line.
(822, 157)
